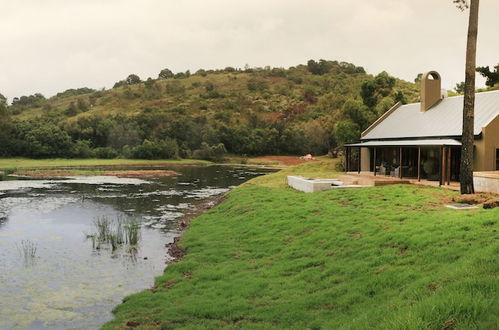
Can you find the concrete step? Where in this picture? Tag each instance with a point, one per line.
(366, 180)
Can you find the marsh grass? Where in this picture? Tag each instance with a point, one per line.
(114, 232)
(270, 257)
(27, 250)
(131, 230)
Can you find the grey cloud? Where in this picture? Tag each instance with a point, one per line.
(51, 45)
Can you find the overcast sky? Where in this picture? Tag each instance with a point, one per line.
(52, 45)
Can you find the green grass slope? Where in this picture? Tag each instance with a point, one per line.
(383, 257)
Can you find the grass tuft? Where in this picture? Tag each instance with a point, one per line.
(27, 250)
(115, 232)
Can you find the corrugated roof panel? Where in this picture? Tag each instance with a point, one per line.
(444, 119)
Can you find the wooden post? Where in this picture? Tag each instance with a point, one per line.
(360, 163)
(374, 161)
(347, 156)
(440, 167)
(444, 165)
(400, 165)
(449, 164)
(419, 163)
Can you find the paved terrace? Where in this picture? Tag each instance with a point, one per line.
(369, 179)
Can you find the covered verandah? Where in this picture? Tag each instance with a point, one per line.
(435, 160)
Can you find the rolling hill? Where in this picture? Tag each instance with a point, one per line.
(310, 108)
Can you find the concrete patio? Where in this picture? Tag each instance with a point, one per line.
(369, 179)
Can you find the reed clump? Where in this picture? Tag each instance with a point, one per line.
(27, 250)
(115, 232)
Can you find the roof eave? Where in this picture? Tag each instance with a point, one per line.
(380, 119)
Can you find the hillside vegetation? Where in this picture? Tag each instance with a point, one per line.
(311, 108)
(270, 257)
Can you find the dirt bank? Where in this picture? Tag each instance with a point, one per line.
(175, 251)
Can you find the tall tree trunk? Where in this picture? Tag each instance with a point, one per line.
(466, 176)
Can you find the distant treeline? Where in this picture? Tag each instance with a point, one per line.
(312, 108)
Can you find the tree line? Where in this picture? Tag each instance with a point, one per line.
(312, 108)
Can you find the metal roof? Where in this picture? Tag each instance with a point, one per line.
(443, 120)
(407, 143)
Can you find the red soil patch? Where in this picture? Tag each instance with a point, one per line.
(273, 117)
(282, 160)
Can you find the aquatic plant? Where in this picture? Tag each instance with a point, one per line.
(103, 226)
(115, 232)
(93, 238)
(27, 250)
(113, 240)
(132, 231)
(118, 232)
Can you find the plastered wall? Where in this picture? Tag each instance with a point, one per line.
(485, 148)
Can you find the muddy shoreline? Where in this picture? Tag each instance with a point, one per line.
(175, 252)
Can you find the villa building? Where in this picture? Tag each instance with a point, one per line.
(423, 140)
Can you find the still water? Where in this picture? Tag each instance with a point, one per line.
(66, 282)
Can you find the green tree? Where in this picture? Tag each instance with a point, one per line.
(47, 140)
(368, 92)
(82, 104)
(133, 79)
(492, 76)
(201, 72)
(157, 149)
(399, 97)
(318, 136)
(165, 74)
(459, 88)
(3, 101)
(386, 104)
(356, 112)
(119, 83)
(214, 152)
(375, 89)
(319, 68)
(346, 132)
(5, 128)
(72, 109)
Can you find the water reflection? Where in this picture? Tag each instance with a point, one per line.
(72, 285)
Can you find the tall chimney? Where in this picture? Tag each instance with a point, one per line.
(430, 90)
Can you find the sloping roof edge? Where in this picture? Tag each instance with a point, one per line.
(489, 122)
(380, 119)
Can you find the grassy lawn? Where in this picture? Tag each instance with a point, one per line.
(17, 163)
(387, 257)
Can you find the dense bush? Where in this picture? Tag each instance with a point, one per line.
(213, 152)
(158, 149)
(311, 108)
(105, 152)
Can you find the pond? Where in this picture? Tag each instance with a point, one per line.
(54, 274)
